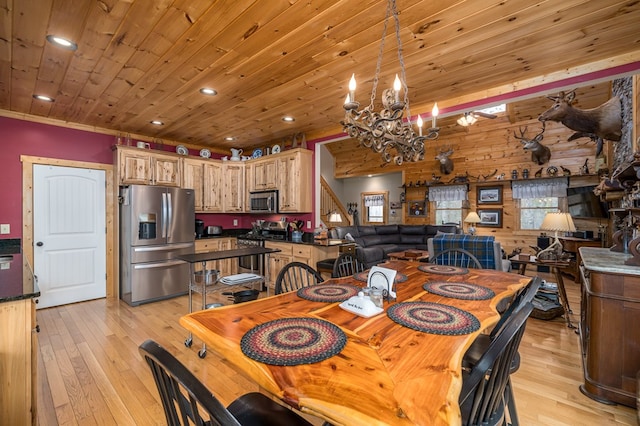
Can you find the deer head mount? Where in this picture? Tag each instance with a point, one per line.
(603, 122)
(540, 154)
(446, 164)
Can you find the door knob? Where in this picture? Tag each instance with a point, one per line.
(39, 243)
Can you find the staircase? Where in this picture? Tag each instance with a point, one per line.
(330, 203)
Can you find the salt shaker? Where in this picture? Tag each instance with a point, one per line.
(376, 297)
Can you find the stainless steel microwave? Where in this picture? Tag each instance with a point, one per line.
(263, 202)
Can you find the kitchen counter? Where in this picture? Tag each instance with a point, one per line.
(17, 281)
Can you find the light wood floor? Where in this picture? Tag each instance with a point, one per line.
(90, 372)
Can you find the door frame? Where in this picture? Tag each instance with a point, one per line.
(111, 219)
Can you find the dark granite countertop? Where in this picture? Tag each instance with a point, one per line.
(17, 281)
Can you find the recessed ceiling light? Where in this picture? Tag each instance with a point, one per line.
(288, 119)
(230, 138)
(62, 42)
(157, 122)
(43, 98)
(208, 91)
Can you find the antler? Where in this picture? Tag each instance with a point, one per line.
(522, 132)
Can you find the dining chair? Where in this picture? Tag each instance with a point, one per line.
(296, 275)
(482, 342)
(187, 401)
(484, 387)
(347, 265)
(456, 257)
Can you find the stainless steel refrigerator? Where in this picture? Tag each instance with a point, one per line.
(156, 225)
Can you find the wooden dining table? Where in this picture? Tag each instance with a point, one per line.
(386, 373)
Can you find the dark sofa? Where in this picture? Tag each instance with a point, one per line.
(374, 243)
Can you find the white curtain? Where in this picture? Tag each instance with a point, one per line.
(448, 193)
(373, 200)
(540, 188)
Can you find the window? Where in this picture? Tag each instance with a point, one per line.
(449, 212)
(533, 210)
(375, 207)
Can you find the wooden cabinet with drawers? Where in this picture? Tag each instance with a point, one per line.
(224, 266)
(146, 167)
(295, 252)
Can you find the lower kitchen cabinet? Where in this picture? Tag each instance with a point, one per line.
(224, 266)
(295, 252)
(18, 363)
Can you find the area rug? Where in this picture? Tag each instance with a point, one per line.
(443, 269)
(433, 318)
(459, 290)
(293, 341)
(364, 276)
(328, 293)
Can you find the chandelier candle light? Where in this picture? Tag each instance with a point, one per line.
(387, 130)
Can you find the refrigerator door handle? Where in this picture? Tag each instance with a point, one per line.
(170, 213)
(146, 249)
(165, 214)
(158, 264)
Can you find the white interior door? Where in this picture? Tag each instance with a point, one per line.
(69, 234)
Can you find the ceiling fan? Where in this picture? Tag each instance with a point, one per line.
(471, 117)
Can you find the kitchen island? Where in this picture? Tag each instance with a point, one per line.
(18, 289)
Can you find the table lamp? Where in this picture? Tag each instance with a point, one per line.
(556, 221)
(335, 217)
(472, 218)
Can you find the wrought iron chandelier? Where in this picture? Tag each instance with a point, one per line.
(387, 130)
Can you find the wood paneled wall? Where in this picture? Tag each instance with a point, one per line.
(481, 149)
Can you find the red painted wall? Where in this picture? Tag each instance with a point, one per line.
(19, 137)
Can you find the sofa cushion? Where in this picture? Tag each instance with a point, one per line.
(370, 240)
(432, 230)
(413, 229)
(341, 231)
(366, 230)
(413, 239)
(387, 229)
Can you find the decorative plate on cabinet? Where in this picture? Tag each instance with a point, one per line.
(257, 153)
(275, 149)
(182, 150)
(205, 153)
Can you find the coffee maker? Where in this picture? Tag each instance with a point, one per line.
(199, 228)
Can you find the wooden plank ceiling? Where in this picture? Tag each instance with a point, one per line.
(143, 60)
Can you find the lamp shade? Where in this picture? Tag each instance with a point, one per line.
(335, 217)
(558, 221)
(472, 217)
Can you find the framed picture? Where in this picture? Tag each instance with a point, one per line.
(489, 194)
(490, 217)
(417, 208)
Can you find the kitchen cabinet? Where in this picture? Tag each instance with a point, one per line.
(262, 175)
(146, 167)
(234, 186)
(224, 266)
(294, 181)
(610, 304)
(193, 178)
(212, 187)
(295, 252)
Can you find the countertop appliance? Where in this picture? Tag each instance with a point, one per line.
(199, 228)
(156, 225)
(214, 230)
(263, 202)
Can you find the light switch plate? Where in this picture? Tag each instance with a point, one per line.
(235, 222)
(309, 224)
(5, 228)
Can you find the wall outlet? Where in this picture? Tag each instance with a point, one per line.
(5, 228)
(308, 224)
(235, 222)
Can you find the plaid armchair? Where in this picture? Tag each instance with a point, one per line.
(485, 248)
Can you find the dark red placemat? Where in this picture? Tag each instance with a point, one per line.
(293, 341)
(443, 269)
(328, 293)
(459, 290)
(433, 318)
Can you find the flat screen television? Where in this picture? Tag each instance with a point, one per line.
(584, 204)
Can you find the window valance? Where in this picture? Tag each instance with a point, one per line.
(540, 188)
(448, 193)
(373, 200)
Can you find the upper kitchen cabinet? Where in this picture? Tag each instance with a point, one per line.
(146, 167)
(294, 181)
(262, 174)
(205, 177)
(234, 186)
